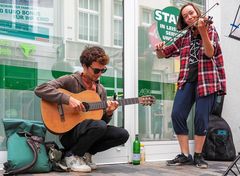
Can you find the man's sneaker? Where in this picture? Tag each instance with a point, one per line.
(180, 159)
(77, 164)
(88, 159)
(199, 162)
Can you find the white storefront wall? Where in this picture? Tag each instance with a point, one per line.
(231, 52)
(223, 17)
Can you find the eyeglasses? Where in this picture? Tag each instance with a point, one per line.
(97, 70)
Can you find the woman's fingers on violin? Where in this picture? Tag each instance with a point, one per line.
(199, 23)
(202, 22)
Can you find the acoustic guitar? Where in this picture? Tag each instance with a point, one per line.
(60, 118)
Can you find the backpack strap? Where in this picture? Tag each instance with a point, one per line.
(34, 144)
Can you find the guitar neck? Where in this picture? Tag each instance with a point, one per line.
(128, 101)
(103, 104)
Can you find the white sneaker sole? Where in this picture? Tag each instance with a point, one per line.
(81, 170)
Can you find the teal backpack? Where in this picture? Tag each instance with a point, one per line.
(25, 145)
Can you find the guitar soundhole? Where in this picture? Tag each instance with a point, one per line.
(86, 105)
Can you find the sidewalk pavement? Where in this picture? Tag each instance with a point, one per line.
(147, 169)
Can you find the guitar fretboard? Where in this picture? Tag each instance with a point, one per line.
(103, 104)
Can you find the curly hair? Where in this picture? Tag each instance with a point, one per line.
(93, 54)
(181, 24)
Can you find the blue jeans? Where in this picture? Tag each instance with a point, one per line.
(183, 103)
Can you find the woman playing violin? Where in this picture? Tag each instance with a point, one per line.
(201, 79)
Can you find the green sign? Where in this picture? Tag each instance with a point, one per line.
(166, 23)
(21, 19)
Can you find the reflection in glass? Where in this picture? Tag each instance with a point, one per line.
(157, 77)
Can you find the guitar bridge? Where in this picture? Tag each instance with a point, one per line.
(61, 112)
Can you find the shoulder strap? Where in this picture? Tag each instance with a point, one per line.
(33, 142)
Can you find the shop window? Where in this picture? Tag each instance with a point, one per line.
(157, 77)
(118, 23)
(146, 17)
(88, 20)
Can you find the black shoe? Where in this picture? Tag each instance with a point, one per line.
(199, 161)
(180, 159)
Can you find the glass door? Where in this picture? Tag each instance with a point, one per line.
(157, 22)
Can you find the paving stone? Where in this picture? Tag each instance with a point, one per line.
(147, 169)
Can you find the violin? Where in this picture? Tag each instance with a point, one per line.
(207, 20)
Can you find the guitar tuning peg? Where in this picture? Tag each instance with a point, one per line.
(114, 96)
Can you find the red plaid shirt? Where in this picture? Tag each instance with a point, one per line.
(211, 74)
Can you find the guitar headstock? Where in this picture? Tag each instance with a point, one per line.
(147, 100)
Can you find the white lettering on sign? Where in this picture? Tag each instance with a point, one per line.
(170, 33)
(158, 16)
(171, 28)
(26, 13)
(166, 17)
(162, 26)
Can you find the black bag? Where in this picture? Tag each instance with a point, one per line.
(219, 144)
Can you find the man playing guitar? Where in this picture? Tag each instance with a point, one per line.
(89, 136)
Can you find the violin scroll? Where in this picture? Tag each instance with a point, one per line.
(208, 20)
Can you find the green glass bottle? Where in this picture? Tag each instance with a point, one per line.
(136, 151)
